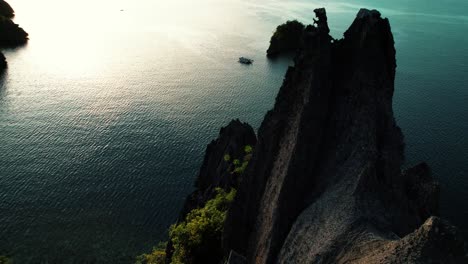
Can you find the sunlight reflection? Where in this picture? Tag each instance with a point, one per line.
(79, 40)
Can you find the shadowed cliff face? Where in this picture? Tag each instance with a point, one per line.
(325, 181)
(217, 172)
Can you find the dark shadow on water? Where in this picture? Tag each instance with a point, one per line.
(287, 57)
(278, 62)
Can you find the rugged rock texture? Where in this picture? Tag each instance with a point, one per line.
(6, 10)
(11, 34)
(286, 38)
(215, 170)
(325, 183)
(436, 241)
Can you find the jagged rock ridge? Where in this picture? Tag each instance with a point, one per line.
(215, 171)
(325, 183)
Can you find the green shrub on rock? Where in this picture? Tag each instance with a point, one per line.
(287, 37)
(198, 238)
(157, 256)
(248, 149)
(5, 260)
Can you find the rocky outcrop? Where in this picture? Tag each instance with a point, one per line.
(436, 241)
(3, 63)
(286, 38)
(218, 168)
(11, 34)
(6, 10)
(325, 183)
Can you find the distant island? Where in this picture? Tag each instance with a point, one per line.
(11, 34)
(6, 10)
(286, 38)
(322, 180)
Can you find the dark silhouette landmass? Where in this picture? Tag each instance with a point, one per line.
(325, 183)
(3, 63)
(6, 10)
(11, 34)
(286, 38)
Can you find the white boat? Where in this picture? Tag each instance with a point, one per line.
(244, 60)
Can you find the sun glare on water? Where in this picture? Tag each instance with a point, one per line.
(76, 38)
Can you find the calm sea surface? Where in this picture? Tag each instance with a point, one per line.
(106, 113)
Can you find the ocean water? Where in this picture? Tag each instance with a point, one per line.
(106, 113)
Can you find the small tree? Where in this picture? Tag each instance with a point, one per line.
(198, 238)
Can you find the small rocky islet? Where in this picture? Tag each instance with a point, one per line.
(11, 34)
(286, 38)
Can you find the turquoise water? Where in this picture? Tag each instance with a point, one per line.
(105, 114)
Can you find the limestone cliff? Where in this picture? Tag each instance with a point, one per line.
(286, 38)
(217, 169)
(325, 183)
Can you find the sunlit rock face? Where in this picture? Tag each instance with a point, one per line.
(325, 183)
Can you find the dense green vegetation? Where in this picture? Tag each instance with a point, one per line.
(287, 37)
(240, 166)
(5, 260)
(157, 256)
(198, 238)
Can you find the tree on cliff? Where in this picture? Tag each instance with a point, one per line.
(287, 37)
